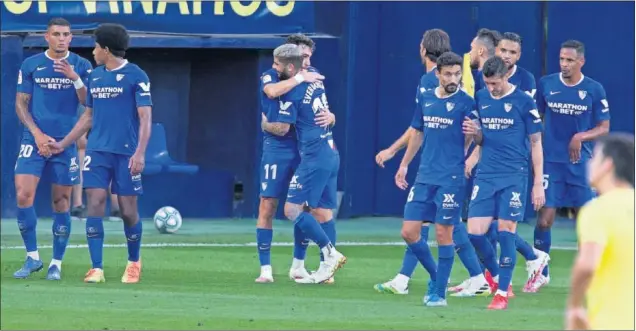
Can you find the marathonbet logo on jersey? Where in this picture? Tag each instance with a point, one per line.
(437, 122)
(53, 83)
(106, 92)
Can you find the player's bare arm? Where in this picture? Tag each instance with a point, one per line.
(536, 149)
(138, 160)
(82, 126)
(586, 262)
(22, 109)
(275, 90)
(414, 144)
(276, 128)
(387, 154)
(65, 68)
(599, 130)
(472, 160)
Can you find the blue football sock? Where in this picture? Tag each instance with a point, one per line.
(264, 245)
(543, 242)
(27, 221)
(492, 235)
(483, 247)
(312, 229)
(61, 233)
(524, 248)
(409, 262)
(133, 240)
(446, 257)
(465, 250)
(423, 253)
(95, 239)
(330, 229)
(507, 260)
(300, 243)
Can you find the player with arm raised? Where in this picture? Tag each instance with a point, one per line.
(576, 112)
(279, 161)
(510, 124)
(51, 85)
(118, 113)
(313, 185)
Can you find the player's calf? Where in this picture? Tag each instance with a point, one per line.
(61, 229)
(264, 235)
(446, 257)
(477, 229)
(508, 258)
(133, 230)
(411, 235)
(95, 233)
(543, 232)
(27, 222)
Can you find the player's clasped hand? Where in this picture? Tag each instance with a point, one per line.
(325, 118)
(65, 68)
(575, 149)
(538, 196)
(469, 127)
(137, 163)
(55, 147)
(400, 178)
(42, 140)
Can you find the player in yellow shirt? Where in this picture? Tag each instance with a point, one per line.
(603, 273)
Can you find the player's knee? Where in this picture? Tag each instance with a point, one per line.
(411, 234)
(478, 226)
(96, 205)
(546, 218)
(507, 226)
(61, 201)
(322, 215)
(267, 210)
(292, 211)
(130, 217)
(444, 234)
(24, 196)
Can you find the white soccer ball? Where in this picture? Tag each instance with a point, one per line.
(168, 220)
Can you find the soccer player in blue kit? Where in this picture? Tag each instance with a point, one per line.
(510, 124)
(313, 185)
(279, 162)
(576, 112)
(51, 85)
(437, 195)
(118, 113)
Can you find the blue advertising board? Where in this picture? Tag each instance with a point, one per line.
(164, 16)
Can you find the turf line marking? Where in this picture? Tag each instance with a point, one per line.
(252, 244)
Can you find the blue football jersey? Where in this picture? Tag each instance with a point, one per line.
(54, 101)
(299, 107)
(428, 82)
(523, 80)
(479, 80)
(567, 111)
(270, 108)
(114, 96)
(440, 120)
(506, 123)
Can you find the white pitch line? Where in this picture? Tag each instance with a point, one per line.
(252, 244)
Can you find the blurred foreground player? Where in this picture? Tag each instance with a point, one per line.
(510, 132)
(51, 85)
(576, 112)
(313, 185)
(118, 113)
(603, 272)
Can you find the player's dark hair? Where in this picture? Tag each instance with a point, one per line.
(114, 37)
(58, 21)
(619, 147)
(300, 39)
(494, 67)
(449, 59)
(436, 42)
(511, 36)
(576, 45)
(490, 39)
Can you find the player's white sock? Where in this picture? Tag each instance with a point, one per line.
(502, 293)
(266, 270)
(34, 255)
(57, 263)
(402, 280)
(297, 264)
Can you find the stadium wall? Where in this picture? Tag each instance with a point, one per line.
(207, 99)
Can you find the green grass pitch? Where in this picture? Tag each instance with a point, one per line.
(186, 286)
